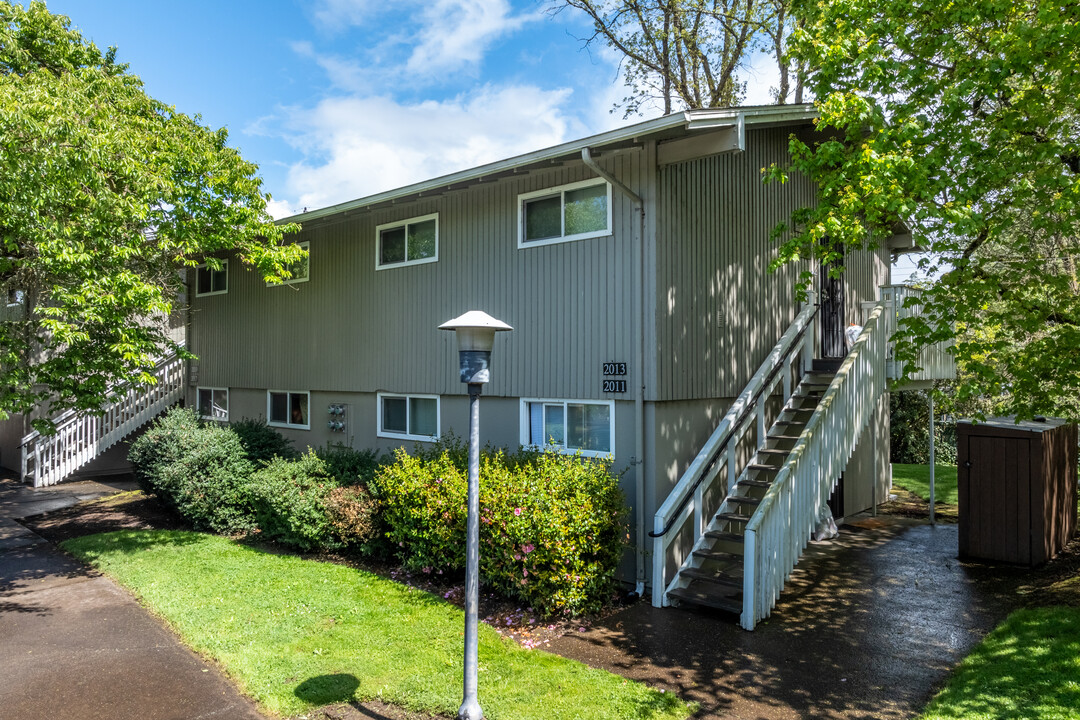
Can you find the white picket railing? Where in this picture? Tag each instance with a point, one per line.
(778, 532)
(935, 361)
(686, 500)
(49, 459)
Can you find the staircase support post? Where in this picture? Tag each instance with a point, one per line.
(932, 496)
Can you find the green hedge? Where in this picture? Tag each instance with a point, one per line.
(198, 469)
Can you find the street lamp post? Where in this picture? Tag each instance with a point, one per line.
(475, 332)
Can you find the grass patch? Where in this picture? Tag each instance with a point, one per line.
(1028, 667)
(297, 634)
(916, 479)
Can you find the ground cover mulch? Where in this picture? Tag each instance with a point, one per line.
(908, 504)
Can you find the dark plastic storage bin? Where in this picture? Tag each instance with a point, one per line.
(1017, 489)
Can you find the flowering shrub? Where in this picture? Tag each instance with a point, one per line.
(552, 531)
(551, 525)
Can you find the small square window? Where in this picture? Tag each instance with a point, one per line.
(288, 408)
(299, 271)
(561, 214)
(569, 425)
(15, 297)
(409, 417)
(213, 403)
(209, 281)
(408, 242)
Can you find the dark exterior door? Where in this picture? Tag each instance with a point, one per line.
(831, 312)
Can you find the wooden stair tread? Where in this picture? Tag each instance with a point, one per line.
(743, 500)
(718, 556)
(759, 466)
(728, 581)
(698, 597)
(774, 451)
(725, 536)
(755, 483)
(733, 517)
(784, 437)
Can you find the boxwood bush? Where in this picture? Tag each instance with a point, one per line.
(288, 499)
(199, 470)
(261, 442)
(552, 526)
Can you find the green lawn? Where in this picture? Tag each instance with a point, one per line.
(296, 634)
(1028, 667)
(916, 479)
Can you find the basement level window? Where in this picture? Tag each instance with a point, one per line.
(210, 281)
(569, 425)
(561, 214)
(407, 242)
(213, 403)
(409, 417)
(288, 409)
(299, 271)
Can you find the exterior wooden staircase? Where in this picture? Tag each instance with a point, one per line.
(715, 571)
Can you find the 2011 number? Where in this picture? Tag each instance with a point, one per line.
(614, 386)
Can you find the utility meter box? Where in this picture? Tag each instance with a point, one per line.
(1017, 488)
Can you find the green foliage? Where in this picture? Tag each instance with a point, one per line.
(909, 430)
(199, 470)
(349, 466)
(916, 479)
(552, 525)
(280, 624)
(424, 510)
(552, 531)
(105, 193)
(261, 442)
(961, 120)
(288, 498)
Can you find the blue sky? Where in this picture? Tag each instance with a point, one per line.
(337, 99)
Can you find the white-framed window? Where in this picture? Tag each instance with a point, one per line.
(407, 242)
(576, 211)
(213, 403)
(288, 409)
(408, 417)
(15, 297)
(571, 425)
(300, 270)
(209, 281)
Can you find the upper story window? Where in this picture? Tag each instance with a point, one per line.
(213, 403)
(209, 281)
(409, 417)
(288, 408)
(407, 242)
(570, 212)
(570, 425)
(299, 270)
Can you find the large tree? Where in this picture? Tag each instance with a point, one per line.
(106, 194)
(691, 53)
(962, 121)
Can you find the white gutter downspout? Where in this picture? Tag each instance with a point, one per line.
(639, 364)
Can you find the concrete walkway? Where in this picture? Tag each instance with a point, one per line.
(869, 627)
(75, 645)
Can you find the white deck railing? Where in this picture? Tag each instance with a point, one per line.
(778, 532)
(686, 500)
(49, 459)
(935, 361)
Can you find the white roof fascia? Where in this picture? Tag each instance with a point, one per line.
(688, 119)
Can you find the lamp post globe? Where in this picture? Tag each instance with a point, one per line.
(475, 332)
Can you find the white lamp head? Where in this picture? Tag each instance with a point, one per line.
(475, 332)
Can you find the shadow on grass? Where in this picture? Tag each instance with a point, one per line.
(327, 689)
(126, 542)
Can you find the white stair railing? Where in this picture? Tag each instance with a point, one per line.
(49, 459)
(687, 500)
(779, 529)
(935, 361)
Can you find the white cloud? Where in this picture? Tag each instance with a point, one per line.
(334, 14)
(358, 146)
(455, 33)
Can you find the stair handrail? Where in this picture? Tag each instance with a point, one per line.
(687, 490)
(807, 477)
(79, 437)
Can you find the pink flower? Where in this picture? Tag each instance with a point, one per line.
(528, 548)
(524, 573)
(517, 511)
